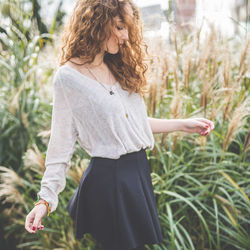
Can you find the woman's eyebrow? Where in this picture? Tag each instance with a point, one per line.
(120, 20)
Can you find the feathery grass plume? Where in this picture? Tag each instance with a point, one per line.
(227, 68)
(244, 53)
(187, 54)
(244, 73)
(217, 105)
(176, 105)
(152, 80)
(175, 112)
(228, 96)
(34, 160)
(205, 87)
(205, 69)
(228, 104)
(76, 171)
(25, 121)
(152, 96)
(156, 76)
(162, 74)
(14, 102)
(175, 44)
(176, 78)
(247, 141)
(237, 121)
(198, 35)
(10, 182)
(206, 51)
(214, 65)
(44, 135)
(165, 75)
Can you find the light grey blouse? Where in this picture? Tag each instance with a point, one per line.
(84, 110)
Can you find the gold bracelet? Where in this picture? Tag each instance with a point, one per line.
(45, 203)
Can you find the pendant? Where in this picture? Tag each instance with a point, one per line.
(111, 92)
(127, 115)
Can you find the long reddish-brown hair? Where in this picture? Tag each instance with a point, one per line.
(90, 25)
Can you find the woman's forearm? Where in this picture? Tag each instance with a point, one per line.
(165, 125)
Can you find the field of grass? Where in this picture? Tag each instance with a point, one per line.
(201, 183)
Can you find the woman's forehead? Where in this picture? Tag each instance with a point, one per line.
(128, 10)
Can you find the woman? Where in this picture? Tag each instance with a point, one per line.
(98, 100)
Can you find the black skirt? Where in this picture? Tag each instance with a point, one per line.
(115, 202)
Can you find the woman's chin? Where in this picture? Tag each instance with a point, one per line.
(114, 51)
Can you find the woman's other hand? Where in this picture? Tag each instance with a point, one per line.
(34, 218)
(201, 126)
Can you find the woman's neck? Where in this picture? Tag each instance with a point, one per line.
(98, 61)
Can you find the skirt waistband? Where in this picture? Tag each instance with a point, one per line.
(128, 156)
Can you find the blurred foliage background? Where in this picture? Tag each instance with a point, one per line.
(201, 184)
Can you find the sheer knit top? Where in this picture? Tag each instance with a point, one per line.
(84, 111)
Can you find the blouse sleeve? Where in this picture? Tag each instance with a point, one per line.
(60, 147)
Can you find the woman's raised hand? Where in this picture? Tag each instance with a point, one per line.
(34, 218)
(201, 126)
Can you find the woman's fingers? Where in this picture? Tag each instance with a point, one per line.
(207, 125)
(203, 127)
(40, 226)
(34, 219)
(38, 219)
(208, 122)
(199, 125)
(29, 222)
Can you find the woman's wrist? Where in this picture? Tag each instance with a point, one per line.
(183, 125)
(42, 201)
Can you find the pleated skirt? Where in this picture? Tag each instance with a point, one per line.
(115, 203)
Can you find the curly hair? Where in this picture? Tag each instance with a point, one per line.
(90, 25)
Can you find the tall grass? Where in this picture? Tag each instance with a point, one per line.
(201, 183)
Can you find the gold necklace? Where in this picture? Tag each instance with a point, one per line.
(110, 90)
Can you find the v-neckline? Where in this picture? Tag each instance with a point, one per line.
(89, 78)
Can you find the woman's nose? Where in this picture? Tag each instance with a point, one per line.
(125, 35)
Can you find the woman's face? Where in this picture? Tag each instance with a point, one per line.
(118, 37)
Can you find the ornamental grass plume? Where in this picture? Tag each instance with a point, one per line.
(228, 105)
(165, 73)
(14, 101)
(205, 52)
(152, 96)
(76, 171)
(10, 188)
(175, 108)
(187, 61)
(244, 54)
(25, 121)
(227, 69)
(34, 160)
(237, 121)
(45, 134)
(247, 141)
